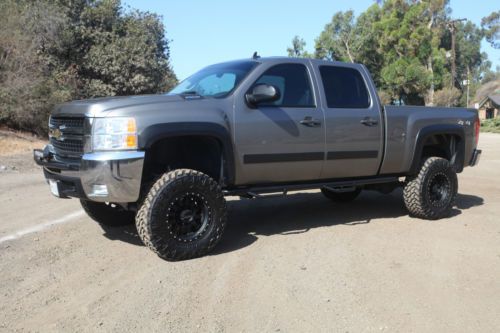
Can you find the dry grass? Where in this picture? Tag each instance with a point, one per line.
(13, 142)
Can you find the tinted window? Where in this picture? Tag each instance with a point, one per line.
(293, 83)
(344, 88)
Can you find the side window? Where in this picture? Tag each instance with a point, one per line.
(344, 88)
(294, 85)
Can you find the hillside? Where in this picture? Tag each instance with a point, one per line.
(490, 88)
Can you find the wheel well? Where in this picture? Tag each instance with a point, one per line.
(441, 145)
(447, 146)
(201, 153)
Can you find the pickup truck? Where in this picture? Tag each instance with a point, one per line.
(249, 128)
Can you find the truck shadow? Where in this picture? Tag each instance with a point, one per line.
(301, 212)
(298, 213)
(127, 234)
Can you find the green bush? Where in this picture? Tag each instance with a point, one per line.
(53, 51)
(491, 125)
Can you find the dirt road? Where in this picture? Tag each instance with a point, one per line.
(294, 264)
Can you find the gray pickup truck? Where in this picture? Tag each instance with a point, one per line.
(247, 128)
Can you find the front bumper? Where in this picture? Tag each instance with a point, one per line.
(476, 156)
(101, 176)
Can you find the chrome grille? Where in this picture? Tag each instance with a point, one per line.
(69, 123)
(67, 136)
(72, 146)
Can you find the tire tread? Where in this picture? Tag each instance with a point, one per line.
(413, 192)
(146, 211)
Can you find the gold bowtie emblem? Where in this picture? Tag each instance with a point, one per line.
(55, 133)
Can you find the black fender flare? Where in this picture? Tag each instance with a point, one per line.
(439, 129)
(156, 132)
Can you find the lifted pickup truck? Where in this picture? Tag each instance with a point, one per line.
(249, 127)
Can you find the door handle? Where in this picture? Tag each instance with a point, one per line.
(369, 121)
(310, 122)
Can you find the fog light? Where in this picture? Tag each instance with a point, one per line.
(99, 191)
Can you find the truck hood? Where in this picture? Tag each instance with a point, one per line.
(99, 107)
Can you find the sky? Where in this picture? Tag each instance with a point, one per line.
(204, 32)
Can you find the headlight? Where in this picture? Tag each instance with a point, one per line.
(114, 134)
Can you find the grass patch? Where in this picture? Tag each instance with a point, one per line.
(491, 125)
(13, 142)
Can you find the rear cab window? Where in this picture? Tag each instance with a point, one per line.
(344, 88)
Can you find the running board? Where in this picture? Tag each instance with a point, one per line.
(340, 185)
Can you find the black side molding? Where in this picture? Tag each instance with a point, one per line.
(308, 156)
(277, 158)
(342, 155)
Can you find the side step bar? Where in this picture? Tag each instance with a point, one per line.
(257, 191)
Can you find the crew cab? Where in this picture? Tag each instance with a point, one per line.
(246, 128)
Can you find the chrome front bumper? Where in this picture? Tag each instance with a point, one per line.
(101, 176)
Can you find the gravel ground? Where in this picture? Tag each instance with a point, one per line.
(18, 163)
(16, 151)
(299, 263)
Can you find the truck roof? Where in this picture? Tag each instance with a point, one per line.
(282, 59)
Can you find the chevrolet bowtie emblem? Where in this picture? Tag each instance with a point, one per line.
(55, 133)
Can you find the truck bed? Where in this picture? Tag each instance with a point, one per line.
(403, 130)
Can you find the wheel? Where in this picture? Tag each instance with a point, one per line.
(183, 215)
(341, 196)
(431, 194)
(110, 215)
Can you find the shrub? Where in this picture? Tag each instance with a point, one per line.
(491, 125)
(56, 51)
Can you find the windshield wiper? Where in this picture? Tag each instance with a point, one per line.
(190, 94)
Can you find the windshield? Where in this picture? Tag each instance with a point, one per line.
(215, 81)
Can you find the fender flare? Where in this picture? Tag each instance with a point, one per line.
(439, 129)
(156, 132)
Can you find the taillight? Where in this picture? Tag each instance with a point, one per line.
(477, 128)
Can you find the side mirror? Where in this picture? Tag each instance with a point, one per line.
(262, 93)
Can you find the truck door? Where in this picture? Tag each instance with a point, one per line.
(284, 140)
(353, 122)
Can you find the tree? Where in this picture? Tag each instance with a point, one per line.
(128, 56)
(490, 75)
(447, 97)
(406, 42)
(338, 41)
(53, 51)
(297, 48)
(435, 12)
(469, 59)
(407, 46)
(368, 51)
(491, 24)
(29, 82)
(118, 53)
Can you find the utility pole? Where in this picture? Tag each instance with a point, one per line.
(453, 29)
(468, 85)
